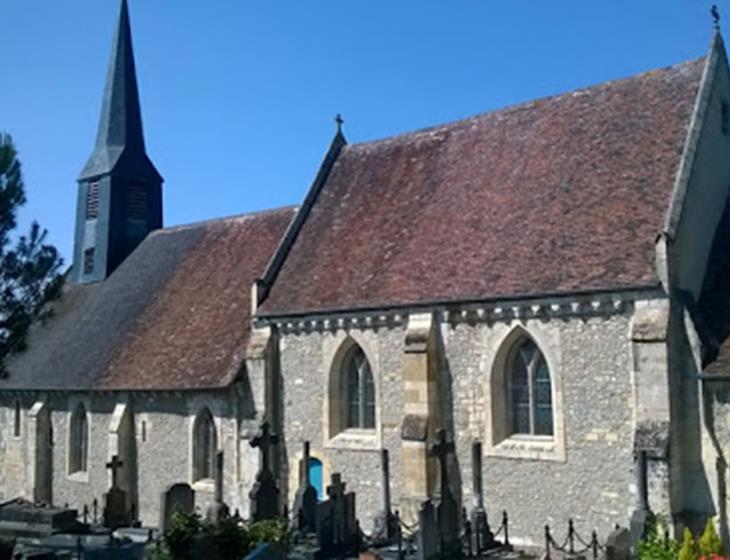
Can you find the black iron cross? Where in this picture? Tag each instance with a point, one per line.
(114, 465)
(265, 440)
(715, 16)
(340, 121)
(441, 450)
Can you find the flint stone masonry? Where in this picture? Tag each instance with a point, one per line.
(590, 360)
(163, 449)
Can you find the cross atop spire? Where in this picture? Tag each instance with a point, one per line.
(120, 125)
(715, 17)
(339, 121)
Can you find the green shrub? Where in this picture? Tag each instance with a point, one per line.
(654, 546)
(184, 528)
(229, 540)
(269, 530)
(157, 551)
(688, 550)
(190, 537)
(709, 542)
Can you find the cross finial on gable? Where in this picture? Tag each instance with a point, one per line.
(715, 17)
(339, 121)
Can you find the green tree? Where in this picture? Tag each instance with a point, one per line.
(29, 266)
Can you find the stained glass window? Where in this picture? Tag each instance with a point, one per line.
(359, 391)
(79, 440)
(204, 446)
(530, 391)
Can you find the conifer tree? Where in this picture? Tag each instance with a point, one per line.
(29, 266)
(709, 542)
(688, 550)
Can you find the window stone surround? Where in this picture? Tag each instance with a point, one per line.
(497, 344)
(334, 351)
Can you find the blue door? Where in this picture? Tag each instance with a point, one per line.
(315, 476)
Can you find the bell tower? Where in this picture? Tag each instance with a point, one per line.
(120, 190)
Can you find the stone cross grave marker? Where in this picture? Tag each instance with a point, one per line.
(265, 492)
(305, 501)
(483, 536)
(178, 497)
(116, 512)
(218, 509)
(115, 465)
(448, 508)
(337, 527)
(428, 538)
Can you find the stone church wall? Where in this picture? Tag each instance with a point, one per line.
(587, 474)
(163, 453)
(306, 361)
(590, 360)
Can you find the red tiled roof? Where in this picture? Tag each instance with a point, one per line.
(559, 195)
(175, 315)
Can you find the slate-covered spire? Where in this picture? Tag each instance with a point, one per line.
(120, 126)
(120, 191)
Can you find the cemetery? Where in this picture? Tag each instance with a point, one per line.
(310, 528)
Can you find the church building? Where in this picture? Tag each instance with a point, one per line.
(549, 279)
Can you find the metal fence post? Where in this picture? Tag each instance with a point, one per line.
(547, 542)
(505, 524)
(594, 545)
(571, 537)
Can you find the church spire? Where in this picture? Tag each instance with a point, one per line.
(120, 126)
(120, 190)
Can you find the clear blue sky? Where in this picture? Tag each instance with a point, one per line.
(238, 97)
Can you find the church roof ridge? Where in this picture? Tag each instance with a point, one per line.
(227, 219)
(525, 105)
(557, 195)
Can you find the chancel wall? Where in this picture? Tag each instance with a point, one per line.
(585, 471)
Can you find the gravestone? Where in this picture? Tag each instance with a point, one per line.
(448, 514)
(483, 536)
(338, 532)
(305, 501)
(386, 524)
(428, 538)
(218, 510)
(325, 526)
(618, 545)
(116, 512)
(19, 518)
(265, 492)
(179, 497)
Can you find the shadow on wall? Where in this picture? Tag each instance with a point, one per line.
(438, 362)
(691, 496)
(709, 397)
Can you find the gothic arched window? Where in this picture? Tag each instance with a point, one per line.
(78, 440)
(359, 388)
(530, 391)
(204, 446)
